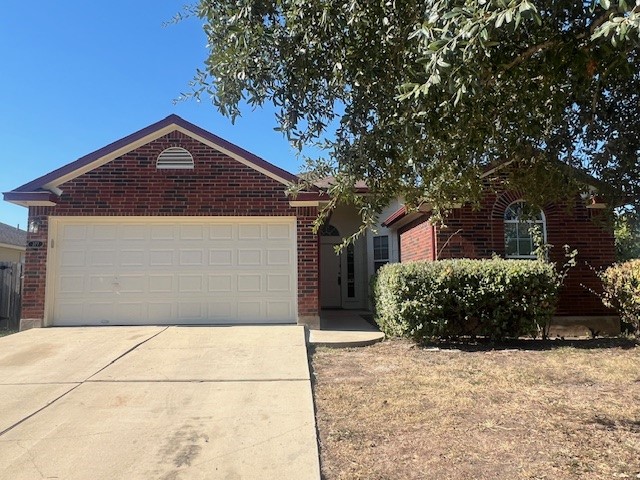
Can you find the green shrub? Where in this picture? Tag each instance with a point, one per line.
(494, 298)
(621, 291)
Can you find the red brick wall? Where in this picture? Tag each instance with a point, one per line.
(480, 233)
(416, 240)
(131, 185)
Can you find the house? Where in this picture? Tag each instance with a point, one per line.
(501, 227)
(13, 244)
(173, 224)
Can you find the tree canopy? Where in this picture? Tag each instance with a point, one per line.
(419, 98)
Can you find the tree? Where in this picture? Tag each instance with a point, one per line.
(627, 235)
(419, 97)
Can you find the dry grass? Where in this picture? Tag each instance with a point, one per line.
(397, 411)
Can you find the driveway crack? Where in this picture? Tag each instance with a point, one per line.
(8, 429)
(126, 353)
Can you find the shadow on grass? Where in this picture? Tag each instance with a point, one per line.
(632, 426)
(482, 344)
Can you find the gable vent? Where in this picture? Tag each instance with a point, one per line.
(175, 158)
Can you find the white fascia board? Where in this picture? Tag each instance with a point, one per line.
(233, 155)
(52, 186)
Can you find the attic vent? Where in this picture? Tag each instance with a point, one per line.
(175, 158)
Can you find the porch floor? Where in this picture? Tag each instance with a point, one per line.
(344, 328)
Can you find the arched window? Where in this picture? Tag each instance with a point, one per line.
(520, 221)
(328, 230)
(175, 158)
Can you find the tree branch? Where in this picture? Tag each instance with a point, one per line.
(531, 51)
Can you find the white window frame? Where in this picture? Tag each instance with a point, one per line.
(379, 262)
(542, 221)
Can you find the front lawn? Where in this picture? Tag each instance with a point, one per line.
(535, 411)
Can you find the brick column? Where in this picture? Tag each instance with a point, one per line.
(308, 269)
(35, 272)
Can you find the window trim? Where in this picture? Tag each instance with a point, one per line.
(377, 263)
(517, 221)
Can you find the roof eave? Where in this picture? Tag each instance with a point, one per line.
(31, 199)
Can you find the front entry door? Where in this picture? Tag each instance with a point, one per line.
(330, 289)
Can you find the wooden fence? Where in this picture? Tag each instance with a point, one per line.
(10, 294)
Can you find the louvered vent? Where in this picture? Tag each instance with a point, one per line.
(175, 158)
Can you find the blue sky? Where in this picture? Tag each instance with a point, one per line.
(77, 75)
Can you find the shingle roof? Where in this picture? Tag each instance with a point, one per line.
(12, 235)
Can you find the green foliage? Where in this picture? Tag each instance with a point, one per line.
(627, 236)
(621, 285)
(494, 298)
(417, 98)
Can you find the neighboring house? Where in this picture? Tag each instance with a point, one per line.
(173, 224)
(13, 244)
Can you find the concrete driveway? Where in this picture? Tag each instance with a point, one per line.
(157, 403)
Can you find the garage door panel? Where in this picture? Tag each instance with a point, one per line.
(133, 232)
(161, 312)
(162, 232)
(249, 310)
(132, 258)
(279, 282)
(191, 232)
(221, 282)
(101, 233)
(74, 232)
(130, 313)
(161, 258)
(279, 256)
(73, 258)
(101, 258)
(217, 271)
(250, 257)
(130, 284)
(100, 284)
(73, 284)
(279, 231)
(161, 283)
(191, 257)
(221, 257)
(190, 284)
(221, 232)
(277, 309)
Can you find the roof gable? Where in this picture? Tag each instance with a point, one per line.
(42, 190)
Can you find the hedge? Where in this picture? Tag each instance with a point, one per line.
(621, 291)
(494, 298)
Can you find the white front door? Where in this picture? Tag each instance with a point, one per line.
(189, 270)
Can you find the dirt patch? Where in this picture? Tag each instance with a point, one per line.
(398, 411)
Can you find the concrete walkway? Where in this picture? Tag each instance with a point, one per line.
(345, 328)
(157, 403)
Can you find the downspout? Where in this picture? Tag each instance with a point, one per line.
(434, 243)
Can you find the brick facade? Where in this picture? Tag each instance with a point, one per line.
(132, 186)
(416, 240)
(479, 233)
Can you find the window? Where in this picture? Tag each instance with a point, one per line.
(175, 158)
(351, 271)
(328, 230)
(520, 220)
(380, 251)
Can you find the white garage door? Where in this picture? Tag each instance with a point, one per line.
(121, 271)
